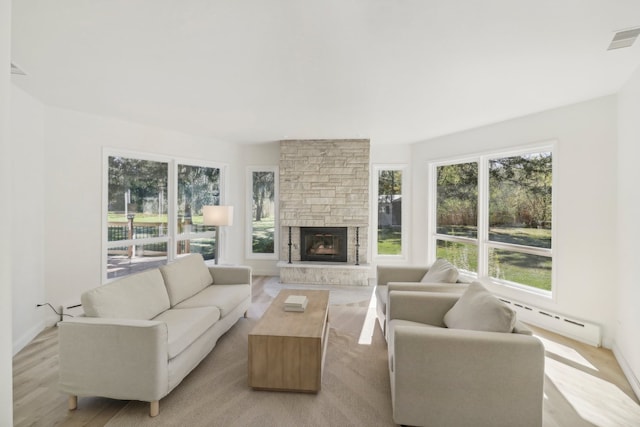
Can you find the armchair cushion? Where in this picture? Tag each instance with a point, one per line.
(479, 310)
(442, 271)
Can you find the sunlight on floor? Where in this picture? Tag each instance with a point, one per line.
(366, 334)
(565, 352)
(589, 395)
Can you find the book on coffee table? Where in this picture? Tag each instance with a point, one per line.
(295, 303)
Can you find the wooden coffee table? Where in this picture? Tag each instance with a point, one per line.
(286, 349)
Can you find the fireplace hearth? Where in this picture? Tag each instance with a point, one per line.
(324, 244)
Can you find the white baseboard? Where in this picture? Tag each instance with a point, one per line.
(27, 337)
(626, 369)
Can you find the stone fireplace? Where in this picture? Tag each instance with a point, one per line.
(324, 186)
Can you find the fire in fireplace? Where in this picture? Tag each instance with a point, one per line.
(323, 244)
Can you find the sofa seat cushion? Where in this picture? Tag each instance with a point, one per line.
(186, 325)
(139, 296)
(225, 297)
(401, 322)
(185, 277)
(442, 271)
(479, 310)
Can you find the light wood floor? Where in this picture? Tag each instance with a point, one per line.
(584, 385)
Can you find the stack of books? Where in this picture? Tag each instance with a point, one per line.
(295, 303)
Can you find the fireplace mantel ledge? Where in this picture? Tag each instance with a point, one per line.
(318, 264)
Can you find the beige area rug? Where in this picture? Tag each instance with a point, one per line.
(339, 294)
(355, 386)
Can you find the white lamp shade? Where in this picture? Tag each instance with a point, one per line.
(217, 215)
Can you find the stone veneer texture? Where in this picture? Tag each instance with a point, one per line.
(324, 183)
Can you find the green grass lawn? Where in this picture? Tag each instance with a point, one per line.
(389, 241)
(531, 270)
(143, 218)
(263, 231)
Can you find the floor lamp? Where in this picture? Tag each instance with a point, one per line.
(218, 216)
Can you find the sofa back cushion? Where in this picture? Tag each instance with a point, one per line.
(442, 271)
(479, 310)
(185, 277)
(138, 296)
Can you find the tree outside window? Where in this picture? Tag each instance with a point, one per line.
(513, 243)
(262, 189)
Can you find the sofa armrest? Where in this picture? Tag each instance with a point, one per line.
(422, 307)
(460, 377)
(115, 358)
(387, 273)
(230, 275)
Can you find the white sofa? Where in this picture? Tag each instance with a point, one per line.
(465, 376)
(142, 334)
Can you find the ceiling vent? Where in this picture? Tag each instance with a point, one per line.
(624, 38)
(17, 70)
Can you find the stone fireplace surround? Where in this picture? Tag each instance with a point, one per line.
(324, 183)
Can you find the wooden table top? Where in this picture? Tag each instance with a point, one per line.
(307, 324)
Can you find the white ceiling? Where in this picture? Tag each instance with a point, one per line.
(248, 71)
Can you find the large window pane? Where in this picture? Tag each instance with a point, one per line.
(457, 200)
(137, 210)
(198, 186)
(464, 256)
(389, 212)
(137, 193)
(263, 212)
(520, 200)
(526, 269)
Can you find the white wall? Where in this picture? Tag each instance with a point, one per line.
(27, 204)
(627, 343)
(73, 173)
(585, 248)
(6, 383)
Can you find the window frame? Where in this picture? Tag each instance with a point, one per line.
(406, 209)
(249, 254)
(482, 241)
(172, 237)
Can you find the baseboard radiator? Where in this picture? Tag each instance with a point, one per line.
(579, 330)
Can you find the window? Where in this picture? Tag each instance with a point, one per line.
(142, 218)
(390, 190)
(493, 217)
(457, 214)
(198, 186)
(519, 216)
(262, 185)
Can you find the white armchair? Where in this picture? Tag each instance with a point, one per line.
(410, 278)
(456, 377)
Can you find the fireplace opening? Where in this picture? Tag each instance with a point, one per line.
(323, 244)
